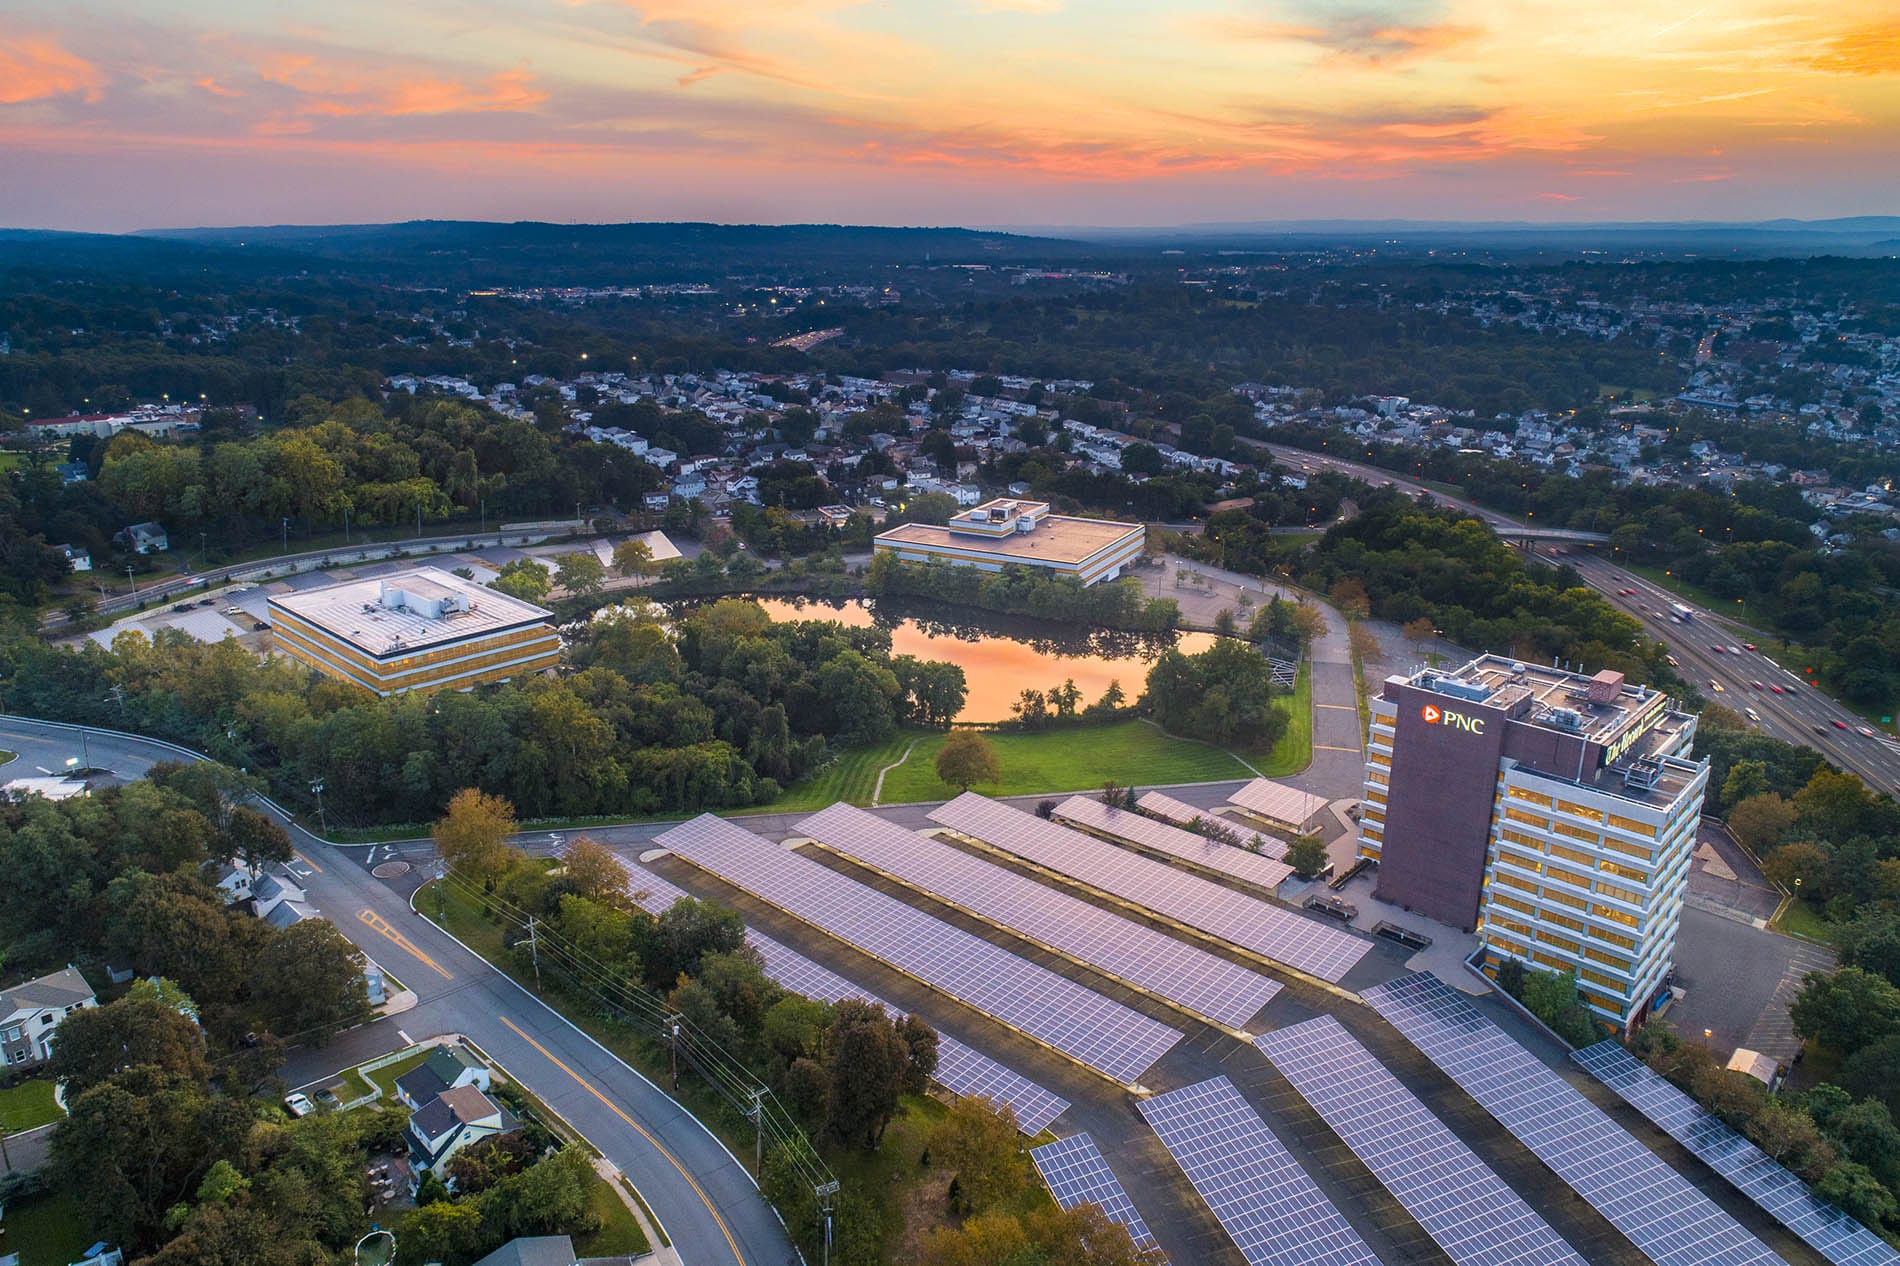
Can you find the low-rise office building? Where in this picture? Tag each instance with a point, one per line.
(421, 629)
(1551, 812)
(1006, 533)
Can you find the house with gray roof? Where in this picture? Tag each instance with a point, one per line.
(30, 1013)
(450, 1122)
(446, 1068)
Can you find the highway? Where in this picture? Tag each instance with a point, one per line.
(1800, 714)
(705, 1198)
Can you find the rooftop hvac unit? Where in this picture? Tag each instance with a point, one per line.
(1565, 718)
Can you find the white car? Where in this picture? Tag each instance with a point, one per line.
(1753, 715)
(299, 1104)
(1715, 685)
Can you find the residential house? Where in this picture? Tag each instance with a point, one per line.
(534, 1250)
(72, 473)
(76, 558)
(450, 1122)
(146, 538)
(30, 1013)
(447, 1068)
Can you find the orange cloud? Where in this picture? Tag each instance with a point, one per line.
(1364, 39)
(215, 88)
(32, 67)
(1867, 50)
(509, 90)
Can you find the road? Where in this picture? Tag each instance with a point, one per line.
(1800, 714)
(704, 1196)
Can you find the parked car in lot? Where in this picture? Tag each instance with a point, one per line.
(183, 606)
(260, 624)
(299, 1104)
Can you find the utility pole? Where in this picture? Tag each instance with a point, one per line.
(825, 1192)
(323, 823)
(758, 1124)
(673, 1025)
(418, 518)
(441, 894)
(534, 951)
(346, 525)
(286, 534)
(134, 579)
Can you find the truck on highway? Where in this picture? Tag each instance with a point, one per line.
(1679, 612)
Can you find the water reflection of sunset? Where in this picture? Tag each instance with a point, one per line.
(998, 668)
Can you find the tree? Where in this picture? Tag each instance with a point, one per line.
(1871, 940)
(1418, 631)
(1309, 623)
(686, 932)
(96, 1044)
(1800, 867)
(1846, 1011)
(524, 578)
(634, 558)
(439, 1231)
(472, 836)
(315, 981)
(254, 840)
(966, 759)
(1307, 856)
(580, 573)
(869, 1065)
(921, 1040)
(978, 1143)
(1745, 778)
(1759, 821)
(1349, 595)
(1855, 1190)
(594, 872)
(1834, 805)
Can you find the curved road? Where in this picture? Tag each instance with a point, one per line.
(706, 1199)
(1800, 714)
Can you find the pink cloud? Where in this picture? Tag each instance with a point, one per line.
(33, 67)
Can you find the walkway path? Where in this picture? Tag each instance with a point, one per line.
(877, 791)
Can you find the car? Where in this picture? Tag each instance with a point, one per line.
(1840, 725)
(1735, 650)
(1756, 684)
(259, 624)
(299, 1104)
(1777, 689)
(326, 1098)
(1716, 649)
(1748, 646)
(1752, 715)
(183, 606)
(1818, 729)
(1864, 730)
(1715, 685)
(1673, 661)
(205, 602)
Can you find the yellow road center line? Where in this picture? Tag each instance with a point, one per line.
(380, 925)
(306, 861)
(614, 1108)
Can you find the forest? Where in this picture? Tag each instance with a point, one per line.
(724, 713)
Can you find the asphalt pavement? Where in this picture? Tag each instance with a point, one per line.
(702, 1194)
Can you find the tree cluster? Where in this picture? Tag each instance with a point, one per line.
(1224, 695)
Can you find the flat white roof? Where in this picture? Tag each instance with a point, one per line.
(353, 612)
(1277, 802)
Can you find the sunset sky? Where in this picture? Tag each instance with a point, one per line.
(993, 112)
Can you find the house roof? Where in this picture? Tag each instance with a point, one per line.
(464, 1105)
(285, 913)
(63, 988)
(421, 1084)
(533, 1250)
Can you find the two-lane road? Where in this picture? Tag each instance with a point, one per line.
(710, 1207)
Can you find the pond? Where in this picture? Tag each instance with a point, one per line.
(1001, 656)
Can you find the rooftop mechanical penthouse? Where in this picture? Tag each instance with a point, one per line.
(1552, 812)
(999, 534)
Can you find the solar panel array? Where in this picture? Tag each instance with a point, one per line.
(1159, 837)
(1461, 1203)
(1831, 1233)
(1167, 808)
(1655, 1207)
(1075, 1173)
(1217, 988)
(1278, 802)
(960, 1069)
(1095, 1031)
(1271, 931)
(1259, 1194)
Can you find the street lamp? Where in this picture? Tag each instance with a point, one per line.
(316, 789)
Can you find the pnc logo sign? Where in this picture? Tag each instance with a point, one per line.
(1435, 715)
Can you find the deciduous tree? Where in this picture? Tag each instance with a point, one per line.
(472, 837)
(966, 759)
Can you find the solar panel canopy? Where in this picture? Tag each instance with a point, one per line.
(1097, 1032)
(1167, 808)
(1454, 1196)
(1260, 868)
(1076, 1173)
(1278, 802)
(961, 1069)
(1269, 930)
(1833, 1234)
(1265, 1202)
(1657, 1209)
(1216, 988)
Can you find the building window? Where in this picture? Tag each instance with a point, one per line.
(1572, 855)
(1598, 978)
(1633, 826)
(1377, 759)
(1615, 916)
(1580, 810)
(1576, 832)
(1608, 959)
(1627, 848)
(1512, 903)
(1528, 819)
(1620, 894)
(1626, 872)
(1518, 793)
(1563, 921)
(1563, 943)
(1515, 882)
(1564, 876)
(1614, 938)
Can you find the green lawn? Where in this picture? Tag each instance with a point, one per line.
(28, 1105)
(1802, 919)
(7, 757)
(46, 1230)
(618, 1234)
(850, 777)
(1294, 751)
(385, 1077)
(1079, 759)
